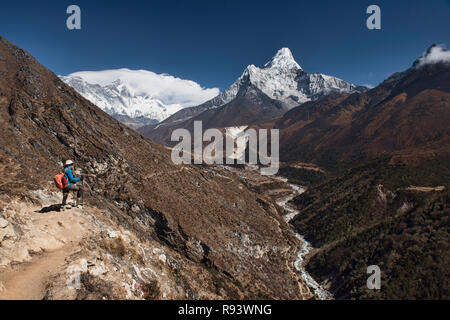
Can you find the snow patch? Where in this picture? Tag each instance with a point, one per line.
(435, 54)
(283, 60)
(240, 144)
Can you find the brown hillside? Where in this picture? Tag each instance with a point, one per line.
(240, 246)
(407, 116)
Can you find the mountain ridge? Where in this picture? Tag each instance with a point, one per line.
(383, 120)
(281, 79)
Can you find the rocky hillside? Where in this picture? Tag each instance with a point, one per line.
(189, 231)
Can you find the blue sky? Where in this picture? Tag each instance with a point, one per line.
(211, 42)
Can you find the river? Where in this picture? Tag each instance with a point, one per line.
(320, 292)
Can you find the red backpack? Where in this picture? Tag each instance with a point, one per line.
(60, 181)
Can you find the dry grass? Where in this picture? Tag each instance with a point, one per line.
(136, 256)
(151, 290)
(115, 246)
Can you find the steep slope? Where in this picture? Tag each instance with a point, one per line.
(281, 79)
(224, 240)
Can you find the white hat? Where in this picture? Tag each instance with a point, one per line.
(69, 162)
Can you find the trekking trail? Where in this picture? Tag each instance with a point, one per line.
(40, 252)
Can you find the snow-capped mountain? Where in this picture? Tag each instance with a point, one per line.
(122, 101)
(281, 79)
(256, 97)
(138, 97)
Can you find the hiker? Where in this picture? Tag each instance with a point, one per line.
(71, 183)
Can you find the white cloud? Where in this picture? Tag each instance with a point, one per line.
(434, 55)
(170, 90)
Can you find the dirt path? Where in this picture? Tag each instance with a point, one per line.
(27, 281)
(426, 189)
(57, 234)
(165, 173)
